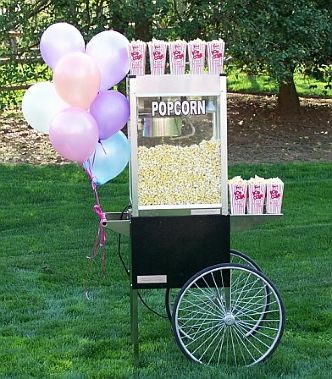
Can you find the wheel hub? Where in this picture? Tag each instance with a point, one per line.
(229, 319)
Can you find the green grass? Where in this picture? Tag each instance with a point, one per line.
(48, 328)
(306, 86)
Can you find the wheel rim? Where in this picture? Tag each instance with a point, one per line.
(235, 257)
(218, 308)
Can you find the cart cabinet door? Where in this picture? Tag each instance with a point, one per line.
(168, 250)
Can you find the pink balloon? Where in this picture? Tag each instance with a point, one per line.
(77, 79)
(111, 111)
(58, 40)
(74, 134)
(110, 50)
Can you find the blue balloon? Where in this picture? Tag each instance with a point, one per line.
(109, 160)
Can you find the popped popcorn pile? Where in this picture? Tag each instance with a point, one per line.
(179, 175)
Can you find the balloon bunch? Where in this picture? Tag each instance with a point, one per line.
(82, 116)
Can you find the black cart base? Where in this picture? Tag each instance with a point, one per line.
(221, 311)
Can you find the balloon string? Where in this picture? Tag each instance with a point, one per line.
(93, 160)
(103, 148)
(100, 240)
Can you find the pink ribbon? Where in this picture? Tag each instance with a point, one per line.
(99, 212)
(102, 218)
(100, 240)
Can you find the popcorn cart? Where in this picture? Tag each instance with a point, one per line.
(223, 309)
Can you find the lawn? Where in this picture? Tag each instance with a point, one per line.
(49, 329)
(306, 86)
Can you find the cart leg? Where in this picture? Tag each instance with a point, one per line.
(134, 323)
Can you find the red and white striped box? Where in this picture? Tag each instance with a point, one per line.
(157, 53)
(196, 52)
(274, 195)
(177, 57)
(256, 195)
(137, 53)
(215, 56)
(238, 195)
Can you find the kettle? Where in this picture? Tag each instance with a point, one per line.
(162, 126)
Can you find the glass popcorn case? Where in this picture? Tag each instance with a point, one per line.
(178, 137)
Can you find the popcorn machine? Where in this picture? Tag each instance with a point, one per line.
(178, 136)
(223, 309)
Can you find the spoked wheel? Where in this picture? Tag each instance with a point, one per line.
(235, 257)
(216, 310)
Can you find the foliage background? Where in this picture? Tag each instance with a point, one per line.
(275, 37)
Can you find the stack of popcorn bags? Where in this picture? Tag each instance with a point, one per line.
(251, 196)
(256, 195)
(238, 195)
(137, 54)
(177, 57)
(157, 52)
(274, 194)
(215, 53)
(197, 52)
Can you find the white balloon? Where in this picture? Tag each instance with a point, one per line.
(40, 104)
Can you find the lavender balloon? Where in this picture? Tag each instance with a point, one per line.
(110, 50)
(109, 160)
(58, 40)
(111, 111)
(74, 134)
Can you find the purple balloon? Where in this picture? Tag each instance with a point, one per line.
(58, 40)
(110, 50)
(111, 111)
(74, 134)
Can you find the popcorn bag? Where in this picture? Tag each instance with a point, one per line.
(256, 195)
(274, 194)
(238, 195)
(157, 50)
(137, 53)
(215, 56)
(196, 52)
(177, 57)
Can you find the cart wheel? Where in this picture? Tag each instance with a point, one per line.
(216, 310)
(235, 257)
(243, 259)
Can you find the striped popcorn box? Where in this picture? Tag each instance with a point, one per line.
(137, 54)
(196, 52)
(177, 57)
(274, 195)
(256, 195)
(157, 50)
(238, 195)
(215, 56)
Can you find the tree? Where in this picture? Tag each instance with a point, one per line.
(276, 36)
(22, 23)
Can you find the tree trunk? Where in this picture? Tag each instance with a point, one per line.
(143, 29)
(288, 99)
